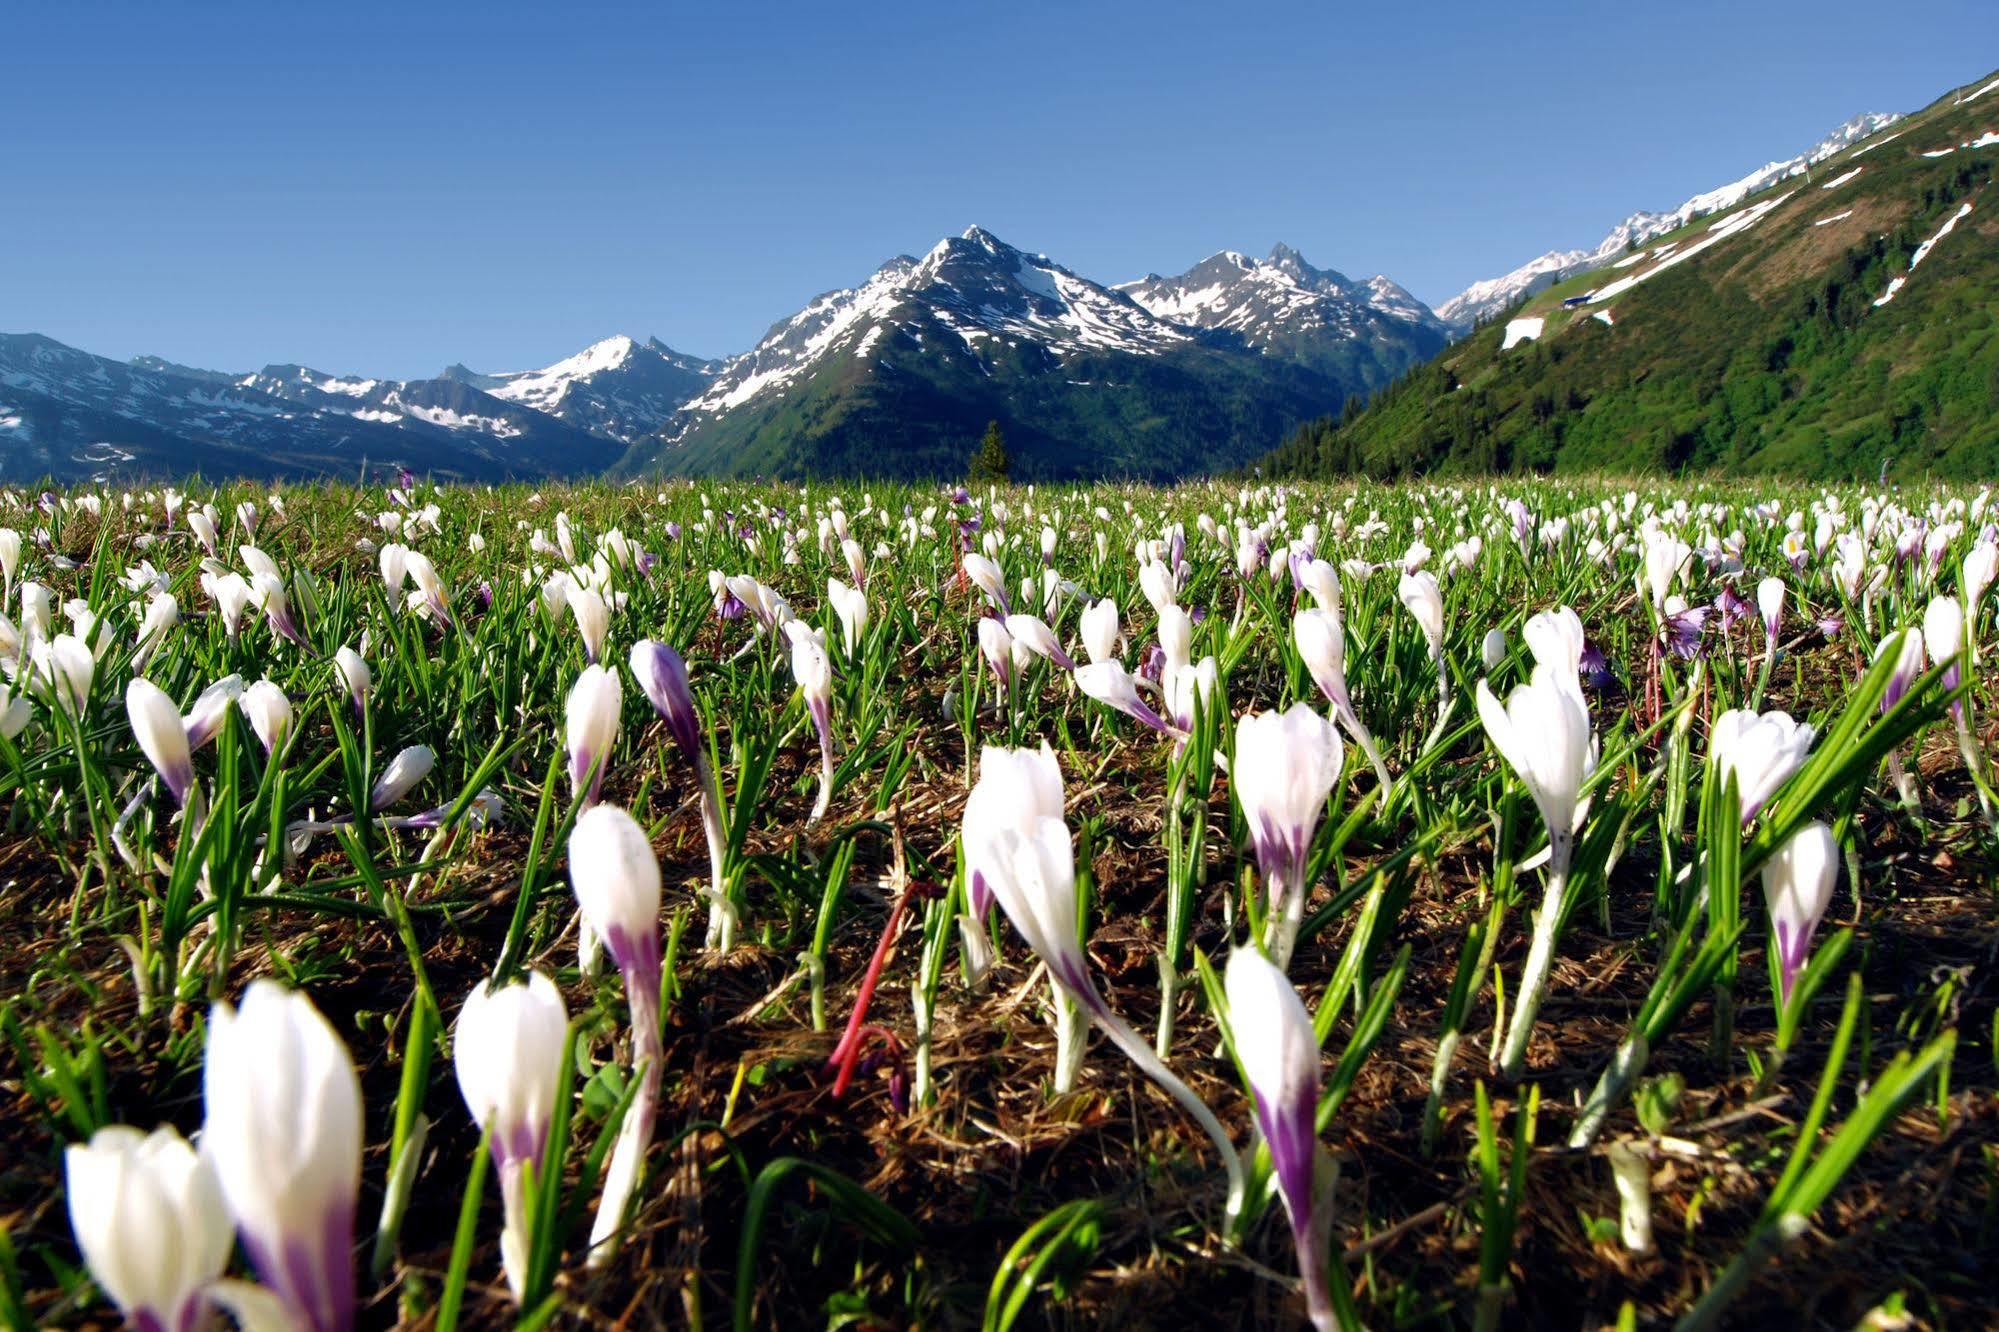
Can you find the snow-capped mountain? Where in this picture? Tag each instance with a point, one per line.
(974, 289)
(891, 375)
(1283, 306)
(70, 414)
(617, 388)
(1489, 297)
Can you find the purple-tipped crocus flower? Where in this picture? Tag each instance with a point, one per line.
(1286, 766)
(663, 676)
(1322, 645)
(1907, 644)
(1797, 887)
(591, 715)
(1016, 789)
(1111, 685)
(1031, 870)
(148, 1215)
(1279, 1054)
(162, 736)
(813, 670)
(507, 1049)
(284, 1131)
(1033, 633)
(268, 591)
(616, 879)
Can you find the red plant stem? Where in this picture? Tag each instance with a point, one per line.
(848, 1052)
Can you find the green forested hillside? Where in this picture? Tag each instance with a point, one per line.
(1759, 344)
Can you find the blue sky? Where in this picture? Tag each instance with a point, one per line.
(389, 189)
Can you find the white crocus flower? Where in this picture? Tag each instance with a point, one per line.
(1544, 735)
(147, 1213)
(1759, 751)
(507, 1049)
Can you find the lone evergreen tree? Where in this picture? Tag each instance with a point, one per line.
(992, 462)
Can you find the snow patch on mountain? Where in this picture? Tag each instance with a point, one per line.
(1483, 299)
(543, 389)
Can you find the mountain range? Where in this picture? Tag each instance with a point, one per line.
(1836, 317)
(1154, 378)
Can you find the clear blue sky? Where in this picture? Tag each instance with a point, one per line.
(390, 189)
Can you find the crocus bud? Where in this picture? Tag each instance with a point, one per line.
(1544, 735)
(1033, 633)
(1111, 684)
(1424, 600)
(1943, 635)
(986, 576)
(1016, 788)
(1099, 626)
(1797, 887)
(203, 528)
(284, 1129)
(592, 729)
(1286, 766)
(1189, 687)
(156, 725)
(1907, 647)
(162, 614)
(507, 1048)
(268, 591)
(355, 677)
(1031, 870)
(257, 562)
(211, 706)
(662, 675)
(1176, 639)
(1279, 1053)
(394, 559)
(147, 1213)
(65, 666)
(996, 646)
(1770, 601)
(1321, 642)
(270, 714)
(405, 770)
(593, 618)
(810, 667)
(813, 670)
(231, 594)
(14, 712)
(1322, 580)
(1980, 567)
(1492, 650)
(850, 604)
(617, 883)
(1760, 751)
(1556, 639)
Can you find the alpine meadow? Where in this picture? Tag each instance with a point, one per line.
(1033, 792)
